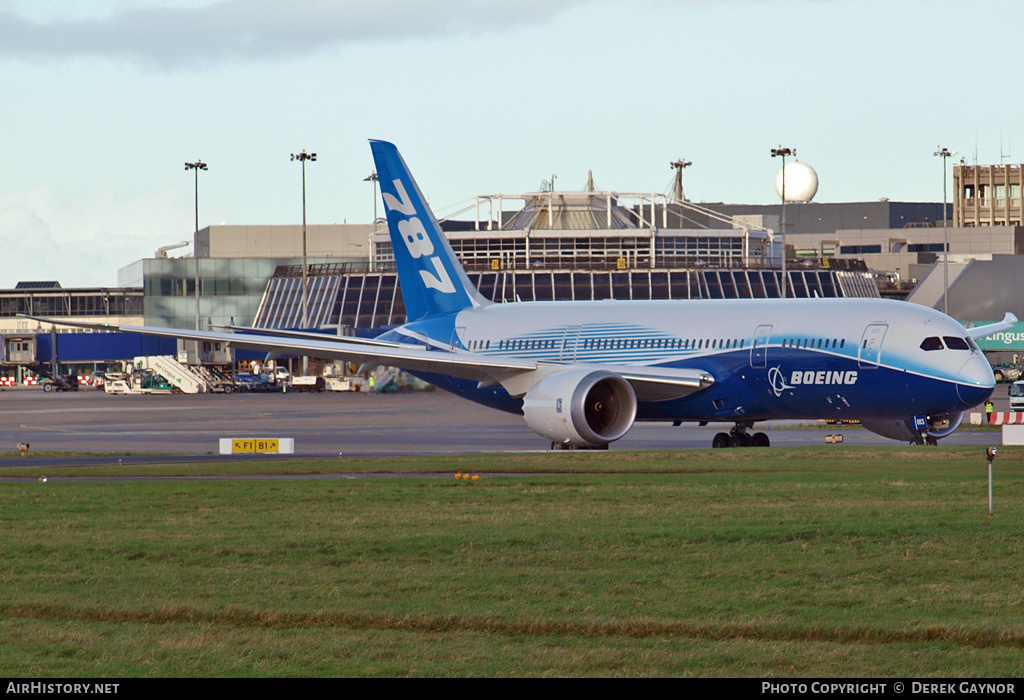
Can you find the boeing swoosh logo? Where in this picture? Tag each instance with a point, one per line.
(777, 381)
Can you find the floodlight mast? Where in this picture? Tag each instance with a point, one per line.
(945, 154)
(302, 158)
(197, 166)
(372, 177)
(783, 152)
(678, 166)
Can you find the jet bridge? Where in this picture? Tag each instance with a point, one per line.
(19, 350)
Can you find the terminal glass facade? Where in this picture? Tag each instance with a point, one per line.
(230, 289)
(65, 303)
(374, 299)
(601, 249)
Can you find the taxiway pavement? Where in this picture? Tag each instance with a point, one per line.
(432, 422)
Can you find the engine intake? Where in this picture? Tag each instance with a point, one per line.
(583, 407)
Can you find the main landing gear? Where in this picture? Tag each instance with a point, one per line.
(739, 437)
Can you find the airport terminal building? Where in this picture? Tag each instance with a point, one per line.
(587, 245)
(87, 304)
(567, 246)
(557, 246)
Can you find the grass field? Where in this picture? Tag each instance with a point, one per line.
(808, 561)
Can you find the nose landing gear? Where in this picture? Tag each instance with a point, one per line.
(923, 438)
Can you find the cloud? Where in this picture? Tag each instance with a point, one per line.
(252, 30)
(81, 242)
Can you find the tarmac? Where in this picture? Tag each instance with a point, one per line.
(324, 424)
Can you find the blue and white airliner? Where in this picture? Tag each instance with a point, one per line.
(582, 372)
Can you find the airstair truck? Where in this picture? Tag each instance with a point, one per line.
(177, 374)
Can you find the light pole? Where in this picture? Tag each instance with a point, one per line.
(372, 177)
(302, 158)
(783, 152)
(678, 166)
(945, 154)
(197, 166)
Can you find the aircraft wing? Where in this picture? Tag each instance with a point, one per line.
(411, 357)
(663, 383)
(315, 336)
(515, 374)
(1008, 322)
(241, 329)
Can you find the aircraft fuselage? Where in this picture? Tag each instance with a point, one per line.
(770, 358)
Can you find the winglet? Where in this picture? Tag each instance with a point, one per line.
(1008, 322)
(433, 281)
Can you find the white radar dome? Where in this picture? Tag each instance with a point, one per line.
(801, 182)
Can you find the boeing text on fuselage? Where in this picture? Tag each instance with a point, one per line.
(822, 376)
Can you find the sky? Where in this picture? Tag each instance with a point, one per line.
(102, 102)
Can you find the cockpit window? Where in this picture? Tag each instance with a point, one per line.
(932, 343)
(955, 343)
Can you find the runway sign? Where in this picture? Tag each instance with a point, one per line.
(257, 446)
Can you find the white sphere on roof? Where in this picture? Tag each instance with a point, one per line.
(801, 182)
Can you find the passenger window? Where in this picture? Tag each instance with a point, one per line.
(932, 343)
(955, 343)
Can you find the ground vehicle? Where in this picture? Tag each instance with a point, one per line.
(249, 382)
(139, 381)
(308, 383)
(1016, 392)
(1005, 373)
(60, 382)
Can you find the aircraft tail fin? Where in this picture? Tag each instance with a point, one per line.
(432, 279)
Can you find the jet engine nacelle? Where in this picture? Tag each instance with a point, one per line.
(583, 407)
(934, 426)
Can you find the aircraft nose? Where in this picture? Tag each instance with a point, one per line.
(975, 381)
